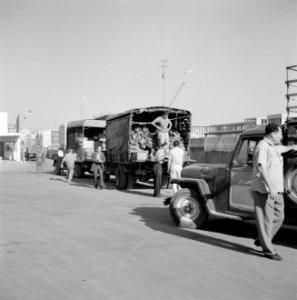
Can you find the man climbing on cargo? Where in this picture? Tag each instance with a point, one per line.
(163, 124)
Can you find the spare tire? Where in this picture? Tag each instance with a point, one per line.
(290, 182)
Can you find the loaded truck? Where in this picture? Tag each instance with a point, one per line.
(132, 140)
(218, 190)
(83, 136)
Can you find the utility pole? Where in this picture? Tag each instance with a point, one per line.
(82, 107)
(164, 66)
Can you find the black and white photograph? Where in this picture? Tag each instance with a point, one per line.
(148, 149)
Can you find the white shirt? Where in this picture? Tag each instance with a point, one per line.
(269, 156)
(176, 157)
(160, 155)
(60, 153)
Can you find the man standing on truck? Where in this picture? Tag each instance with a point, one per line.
(163, 124)
(175, 163)
(268, 187)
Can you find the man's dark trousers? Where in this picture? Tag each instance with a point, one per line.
(157, 179)
(98, 168)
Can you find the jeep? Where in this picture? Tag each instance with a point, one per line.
(217, 190)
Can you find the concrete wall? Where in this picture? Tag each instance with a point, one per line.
(213, 157)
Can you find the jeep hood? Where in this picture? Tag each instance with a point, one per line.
(203, 171)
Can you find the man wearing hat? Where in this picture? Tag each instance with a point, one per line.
(98, 158)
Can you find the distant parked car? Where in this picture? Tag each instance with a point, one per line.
(31, 156)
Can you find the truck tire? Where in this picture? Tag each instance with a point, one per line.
(121, 178)
(78, 171)
(130, 180)
(57, 169)
(187, 210)
(290, 182)
(165, 179)
(106, 177)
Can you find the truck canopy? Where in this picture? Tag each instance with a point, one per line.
(87, 123)
(132, 131)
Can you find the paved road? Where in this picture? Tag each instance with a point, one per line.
(61, 242)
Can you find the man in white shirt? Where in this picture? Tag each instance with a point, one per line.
(70, 158)
(175, 163)
(267, 188)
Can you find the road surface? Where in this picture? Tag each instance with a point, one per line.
(61, 242)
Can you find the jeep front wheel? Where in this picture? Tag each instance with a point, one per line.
(186, 209)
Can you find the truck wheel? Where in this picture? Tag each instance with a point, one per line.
(290, 182)
(57, 169)
(121, 178)
(186, 209)
(165, 181)
(78, 171)
(106, 177)
(130, 180)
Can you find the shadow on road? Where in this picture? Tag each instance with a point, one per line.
(286, 236)
(158, 219)
(82, 182)
(39, 173)
(133, 192)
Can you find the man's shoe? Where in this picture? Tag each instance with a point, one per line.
(257, 243)
(95, 186)
(273, 256)
(167, 201)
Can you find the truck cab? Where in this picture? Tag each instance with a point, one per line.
(83, 136)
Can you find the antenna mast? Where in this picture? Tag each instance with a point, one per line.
(164, 66)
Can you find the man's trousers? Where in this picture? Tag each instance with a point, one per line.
(269, 216)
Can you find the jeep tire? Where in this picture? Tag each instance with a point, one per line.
(290, 182)
(187, 210)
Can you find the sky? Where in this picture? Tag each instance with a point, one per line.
(64, 60)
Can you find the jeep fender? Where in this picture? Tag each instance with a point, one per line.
(201, 187)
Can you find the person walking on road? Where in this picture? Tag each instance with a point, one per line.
(22, 156)
(158, 172)
(39, 160)
(175, 163)
(70, 158)
(98, 158)
(267, 188)
(163, 124)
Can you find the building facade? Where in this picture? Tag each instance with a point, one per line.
(10, 146)
(47, 138)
